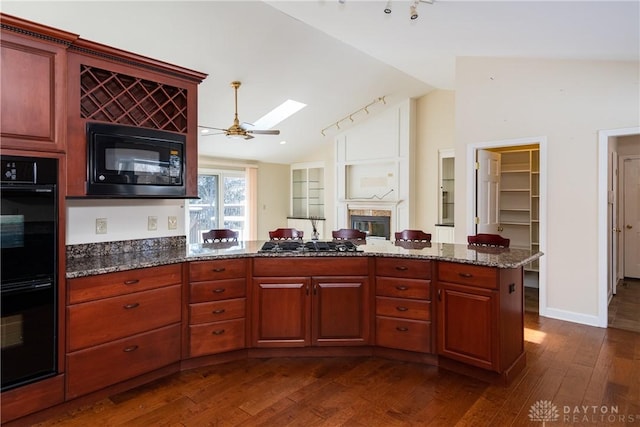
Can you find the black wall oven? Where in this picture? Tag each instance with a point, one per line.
(29, 239)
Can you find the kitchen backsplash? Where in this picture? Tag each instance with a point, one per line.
(123, 246)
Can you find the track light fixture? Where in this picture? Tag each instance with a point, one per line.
(350, 116)
(413, 9)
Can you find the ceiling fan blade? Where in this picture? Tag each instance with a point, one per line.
(264, 131)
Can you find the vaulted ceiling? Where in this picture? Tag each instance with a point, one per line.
(335, 56)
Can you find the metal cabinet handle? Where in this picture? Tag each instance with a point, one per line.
(439, 294)
(130, 306)
(401, 268)
(465, 275)
(401, 288)
(218, 332)
(400, 308)
(219, 290)
(402, 329)
(218, 270)
(130, 349)
(131, 282)
(218, 311)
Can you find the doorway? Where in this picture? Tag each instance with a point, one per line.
(611, 269)
(521, 216)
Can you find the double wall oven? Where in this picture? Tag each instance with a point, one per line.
(28, 237)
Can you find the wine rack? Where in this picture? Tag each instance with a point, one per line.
(118, 98)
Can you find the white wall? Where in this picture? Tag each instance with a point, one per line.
(273, 197)
(567, 102)
(126, 219)
(435, 126)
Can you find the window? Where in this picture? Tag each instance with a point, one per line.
(222, 204)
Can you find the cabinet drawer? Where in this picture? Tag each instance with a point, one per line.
(218, 290)
(123, 282)
(467, 274)
(216, 337)
(404, 308)
(404, 334)
(97, 367)
(97, 322)
(403, 288)
(311, 266)
(216, 311)
(403, 267)
(217, 269)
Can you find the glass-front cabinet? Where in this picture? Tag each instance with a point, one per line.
(307, 198)
(447, 187)
(307, 192)
(445, 232)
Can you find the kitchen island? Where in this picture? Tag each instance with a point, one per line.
(99, 263)
(134, 313)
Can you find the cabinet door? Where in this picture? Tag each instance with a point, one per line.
(32, 100)
(340, 311)
(467, 323)
(281, 312)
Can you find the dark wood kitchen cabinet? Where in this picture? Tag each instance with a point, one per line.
(326, 303)
(109, 85)
(217, 306)
(33, 68)
(125, 323)
(481, 315)
(403, 304)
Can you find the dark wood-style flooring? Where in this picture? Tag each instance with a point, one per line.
(568, 365)
(624, 308)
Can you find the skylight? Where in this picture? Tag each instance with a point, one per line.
(278, 114)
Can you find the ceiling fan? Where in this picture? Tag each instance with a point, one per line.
(236, 130)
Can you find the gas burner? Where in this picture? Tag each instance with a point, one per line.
(275, 246)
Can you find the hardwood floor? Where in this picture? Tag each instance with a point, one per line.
(624, 308)
(567, 365)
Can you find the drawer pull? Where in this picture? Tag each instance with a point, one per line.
(466, 275)
(400, 308)
(130, 306)
(218, 270)
(218, 332)
(401, 288)
(401, 268)
(219, 311)
(131, 282)
(219, 290)
(402, 328)
(130, 349)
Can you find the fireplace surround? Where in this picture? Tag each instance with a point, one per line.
(376, 226)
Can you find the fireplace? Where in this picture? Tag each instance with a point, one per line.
(375, 226)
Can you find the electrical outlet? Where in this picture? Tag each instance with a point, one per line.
(172, 222)
(101, 225)
(152, 223)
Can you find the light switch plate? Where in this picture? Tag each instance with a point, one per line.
(101, 225)
(152, 223)
(172, 222)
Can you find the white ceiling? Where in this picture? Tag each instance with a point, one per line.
(334, 57)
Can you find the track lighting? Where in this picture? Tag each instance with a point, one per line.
(350, 116)
(413, 9)
(387, 8)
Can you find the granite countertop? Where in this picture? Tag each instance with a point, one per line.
(485, 256)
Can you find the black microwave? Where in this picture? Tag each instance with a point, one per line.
(125, 161)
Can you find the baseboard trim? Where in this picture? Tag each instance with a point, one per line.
(570, 316)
